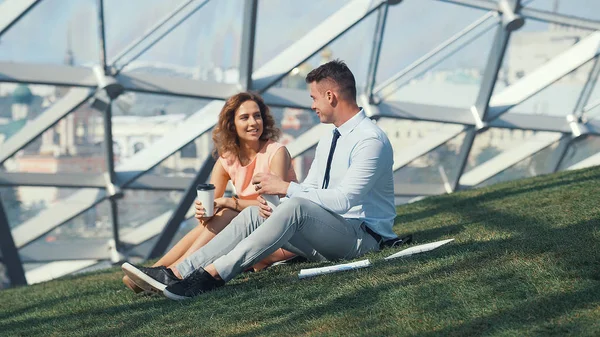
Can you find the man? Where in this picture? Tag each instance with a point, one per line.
(343, 209)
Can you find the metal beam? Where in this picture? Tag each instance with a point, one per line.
(12, 11)
(179, 213)
(66, 250)
(10, 254)
(55, 215)
(57, 269)
(423, 112)
(545, 75)
(168, 85)
(47, 74)
(71, 101)
(507, 159)
(101, 36)
(320, 36)
(481, 107)
(587, 90)
(376, 51)
(91, 180)
(248, 38)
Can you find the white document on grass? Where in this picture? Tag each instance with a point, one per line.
(304, 273)
(419, 249)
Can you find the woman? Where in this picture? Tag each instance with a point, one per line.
(245, 144)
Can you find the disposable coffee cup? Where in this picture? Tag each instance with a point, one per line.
(205, 193)
(272, 200)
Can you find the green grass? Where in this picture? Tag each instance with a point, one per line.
(526, 261)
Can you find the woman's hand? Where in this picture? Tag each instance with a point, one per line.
(200, 211)
(222, 203)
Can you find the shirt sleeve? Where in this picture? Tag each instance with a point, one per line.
(368, 161)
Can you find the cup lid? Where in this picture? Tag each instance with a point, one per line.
(204, 187)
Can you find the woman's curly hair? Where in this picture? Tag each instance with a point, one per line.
(224, 135)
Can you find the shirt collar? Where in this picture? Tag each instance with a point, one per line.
(350, 124)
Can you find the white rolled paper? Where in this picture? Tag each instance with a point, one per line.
(304, 273)
(418, 249)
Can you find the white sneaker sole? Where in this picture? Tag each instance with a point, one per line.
(175, 297)
(142, 280)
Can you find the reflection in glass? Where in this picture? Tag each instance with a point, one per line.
(588, 9)
(349, 47)
(539, 163)
(560, 97)
(494, 141)
(55, 32)
(207, 46)
(73, 145)
(439, 166)
(140, 206)
(22, 203)
(535, 44)
(580, 150)
(127, 21)
(280, 23)
(455, 76)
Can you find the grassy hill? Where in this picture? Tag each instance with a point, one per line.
(526, 261)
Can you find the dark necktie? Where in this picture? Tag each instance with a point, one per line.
(336, 135)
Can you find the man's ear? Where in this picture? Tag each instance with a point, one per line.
(331, 97)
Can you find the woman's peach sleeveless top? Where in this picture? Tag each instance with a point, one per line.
(241, 176)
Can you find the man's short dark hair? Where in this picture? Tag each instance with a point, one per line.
(338, 72)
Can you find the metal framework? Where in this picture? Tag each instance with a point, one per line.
(103, 84)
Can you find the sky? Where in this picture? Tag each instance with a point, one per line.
(211, 36)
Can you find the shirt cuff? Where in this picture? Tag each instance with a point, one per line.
(293, 188)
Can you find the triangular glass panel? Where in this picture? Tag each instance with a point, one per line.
(140, 209)
(495, 141)
(581, 8)
(437, 167)
(580, 150)
(559, 98)
(55, 32)
(24, 203)
(532, 46)
(280, 23)
(75, 144)
(349, 47)
(443, 21)
(126, 22)
(84, 237)
(453, 81)
(539, 163)
(209, 54)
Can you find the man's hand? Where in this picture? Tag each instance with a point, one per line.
(266, 183)
(263, 208)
